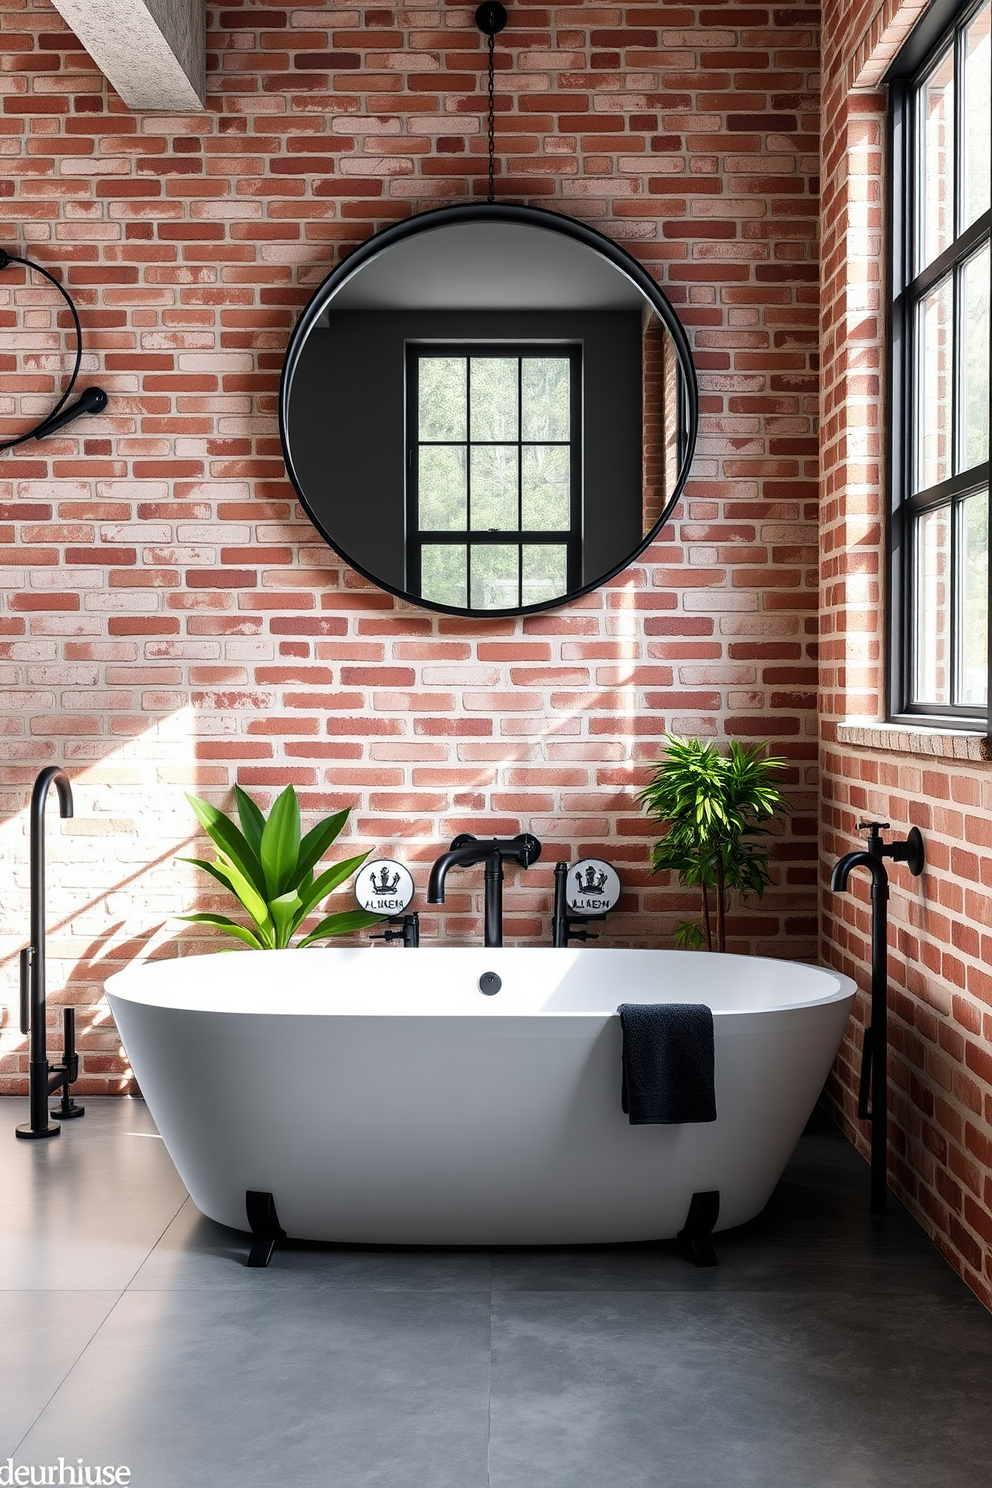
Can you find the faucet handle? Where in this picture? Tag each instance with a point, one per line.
(872, 828)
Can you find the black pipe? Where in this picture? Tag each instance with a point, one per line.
(493, 935)
(873, 1090)
(33, 964)
(562, 920)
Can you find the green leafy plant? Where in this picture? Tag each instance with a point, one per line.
(269, 868)
(710, 804)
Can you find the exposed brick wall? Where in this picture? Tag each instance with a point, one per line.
(170, 618)
(940, 937)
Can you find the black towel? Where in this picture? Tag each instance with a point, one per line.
(667, 1062)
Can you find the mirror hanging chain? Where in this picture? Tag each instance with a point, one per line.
(490, 19)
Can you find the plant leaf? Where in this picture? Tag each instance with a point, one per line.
(280, 848)
(235, 882)
(285, 910)
(229, 840)
(229, 927)
(251, 819)
(329, 881)
(342, 924)
(315, 844)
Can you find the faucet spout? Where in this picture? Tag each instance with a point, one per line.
(465, 851)
(863, 858)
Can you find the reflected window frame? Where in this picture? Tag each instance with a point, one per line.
(928, 684)
(467, 537)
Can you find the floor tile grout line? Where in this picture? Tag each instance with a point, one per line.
(73, 1365)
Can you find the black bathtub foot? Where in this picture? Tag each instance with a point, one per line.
(695, 1234)
(263, 1221)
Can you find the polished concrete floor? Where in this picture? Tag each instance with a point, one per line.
(827, 1350)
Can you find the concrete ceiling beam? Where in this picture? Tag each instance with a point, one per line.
(154, 52)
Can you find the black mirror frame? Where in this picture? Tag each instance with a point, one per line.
(528, 217)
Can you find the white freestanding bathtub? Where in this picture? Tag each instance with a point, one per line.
(381, 1097)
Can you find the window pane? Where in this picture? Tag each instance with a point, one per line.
(973, 569)
(441, 488)
(495, 576)
(494, 388)
(441, 398)
(494, 488)
(443, 574)
(973, 395)
(933, 606)
(977, 164)
(937, 160)
(934, 364)
(545, 384)
(547, 496)
(544, 572)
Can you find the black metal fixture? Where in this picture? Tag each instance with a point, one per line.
(404, 927)
(465, 851)
(490, 19)
(45, 1078)
(873, 1103)
(565, 925)
(93, 400)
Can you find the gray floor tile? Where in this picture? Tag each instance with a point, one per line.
(329, 1387)
(43, 1335)
(769, 1390)
(196, 1253)
(84, 1209)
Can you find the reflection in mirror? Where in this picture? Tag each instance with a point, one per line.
(488, 414)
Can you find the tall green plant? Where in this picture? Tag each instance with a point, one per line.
(710, 804)
(269, 868)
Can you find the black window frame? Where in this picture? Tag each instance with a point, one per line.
(571, 538)
(943, 24)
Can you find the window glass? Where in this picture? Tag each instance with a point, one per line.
(444, 574)
(937, 160)
(977, 163)
(546, 397)
(935, 350)
(973, 394)
(441, 398)
(494, 392)
(933, 556)
(443, 488)
(495, 576)
(974, 585)
(495, 484)
(546, 488)
(544, 572)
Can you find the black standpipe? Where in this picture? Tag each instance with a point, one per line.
(873, 1093)
(44, 1078)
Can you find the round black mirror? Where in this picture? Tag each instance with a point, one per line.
(488, 409)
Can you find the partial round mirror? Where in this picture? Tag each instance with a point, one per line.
(488, 409)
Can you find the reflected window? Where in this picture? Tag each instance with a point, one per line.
(494, 495)
(942, 173)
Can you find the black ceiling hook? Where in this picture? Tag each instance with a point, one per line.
(93, 400)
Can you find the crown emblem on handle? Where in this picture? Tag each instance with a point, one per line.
(386, 885)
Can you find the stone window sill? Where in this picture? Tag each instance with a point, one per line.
(901, 738)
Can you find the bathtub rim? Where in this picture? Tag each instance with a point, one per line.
(144, 982)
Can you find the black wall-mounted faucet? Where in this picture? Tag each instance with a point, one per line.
(44, 1078)
(873, 1093)
(465, 851)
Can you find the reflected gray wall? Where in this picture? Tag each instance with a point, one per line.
(347, 426)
